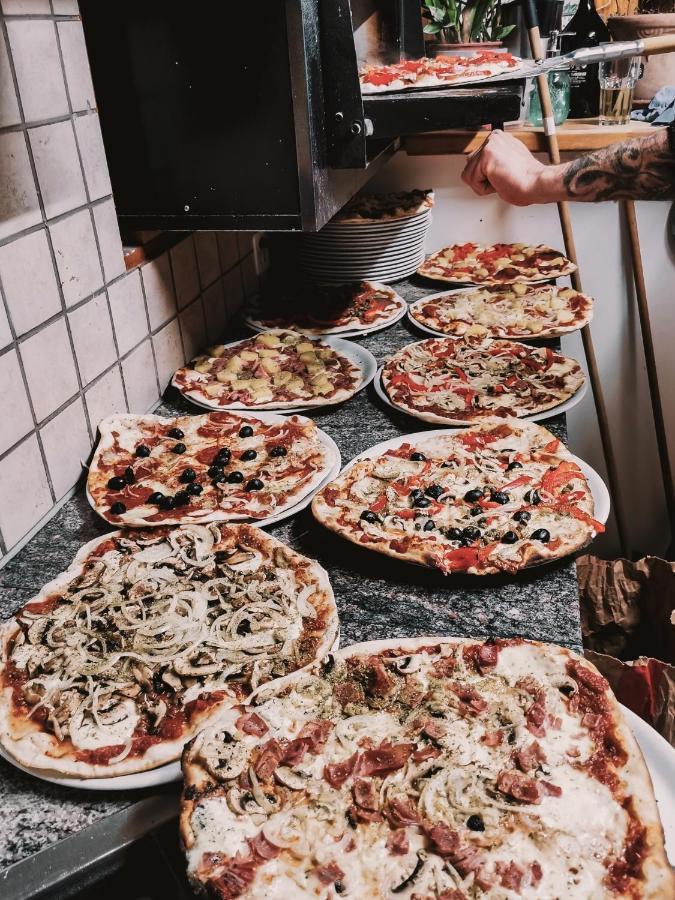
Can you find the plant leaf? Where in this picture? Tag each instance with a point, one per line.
(432, 28)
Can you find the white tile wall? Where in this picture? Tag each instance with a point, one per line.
(80, 337)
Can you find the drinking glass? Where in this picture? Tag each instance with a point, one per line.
(617, 79)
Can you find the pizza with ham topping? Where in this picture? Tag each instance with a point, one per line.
(497, 264)
(454, 381)
(425, 768)
(122, 658)
(373, 208)
(438, 71)
(276, 369)
(150, 470)
(328, 309)
(519, 311)
(498, 497)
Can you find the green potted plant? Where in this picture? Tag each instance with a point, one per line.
(464, 24)
(654, 17)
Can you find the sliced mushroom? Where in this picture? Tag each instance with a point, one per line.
(290, 779)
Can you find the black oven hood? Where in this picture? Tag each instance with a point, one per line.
(249, 116)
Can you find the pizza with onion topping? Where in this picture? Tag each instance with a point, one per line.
(456, 381)
(496, 264)
(426, 768)
(150, 470)
(149, 635)
(519, 311)
(277, 369)
(438, 71)
(497, 497)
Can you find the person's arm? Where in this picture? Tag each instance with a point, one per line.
(641, 169)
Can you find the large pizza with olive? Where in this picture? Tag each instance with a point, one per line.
(498, 497)
(429, 769)
(149, 635)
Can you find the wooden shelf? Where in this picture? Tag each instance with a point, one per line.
(573, 135)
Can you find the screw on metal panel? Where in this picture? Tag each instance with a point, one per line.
(355, 128)
(186, 208)
(339, 116)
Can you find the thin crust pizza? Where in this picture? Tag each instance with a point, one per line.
(520, 311)
(456, 381)
(373, 208)
(277, 369)
(127, 654)
(497, 264)
(438, 71)
(498, 497)
(218, 467)
(328, 309)
(426, 768)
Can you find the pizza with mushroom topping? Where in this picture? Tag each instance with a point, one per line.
(498, 497)
(149, 635)
(328, 309)
(496, 264)
(518, 311)
(276, 369)
(149, 470)
(426, 768)
(438, 71)
(366, 208)
(454, 381)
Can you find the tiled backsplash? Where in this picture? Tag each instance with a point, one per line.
(80, 337)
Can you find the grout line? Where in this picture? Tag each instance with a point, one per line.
(55, 220)
(39, 123)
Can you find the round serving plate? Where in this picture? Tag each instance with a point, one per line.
(387, 277)
(535, 417)
(469, 284)
(377, 225)
(383, 266)
(384, 258)
(320, 238)
(376, 250)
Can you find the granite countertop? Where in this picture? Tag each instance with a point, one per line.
(377, 597)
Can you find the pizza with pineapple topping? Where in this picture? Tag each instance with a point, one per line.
(519, 311)
(222, 466)
(455, 381)
(146, 637)
(276, 369)
(498, 497)
(496, 264)
(428, 769)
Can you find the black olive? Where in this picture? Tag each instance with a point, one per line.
(235, 478)
(187, 475)
(222, 457)
(339, 887)
(181, 498)
(118, 508)
(434, 490)
(476, 511)
(129, 476)
(142, 450)
(509, 537)
(116, 483)
(532, 497)
(429, 525)
(222, 556)
(473, 495)
(166, 503)
(521, 516)
(176, 433)
(278, 451)
(475, 823)
(514, 465)
(179, 448)
(566, 689)
(248, 455)
(214, 471)
(194, 489)
(417, 457)
(244, 627)
(415, 493)
(328, 664)
(471, 533)
(368, 516)
(454, 534)
(421, 502)
(541, 534)
(499, 497)
(218, 477)
(246, 431)
(155, 497)
(255, 484)
(227, 737)
(158, 684)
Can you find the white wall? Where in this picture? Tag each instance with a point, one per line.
(605, 267)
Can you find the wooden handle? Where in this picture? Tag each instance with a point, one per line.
(662, 43)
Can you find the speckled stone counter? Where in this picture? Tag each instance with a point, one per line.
(377, 597)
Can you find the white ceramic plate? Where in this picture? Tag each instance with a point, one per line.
(340, 240)
(536, 417)
(376, 225)
(377, 271)
(376, 251)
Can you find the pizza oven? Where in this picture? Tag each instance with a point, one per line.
(250, 116)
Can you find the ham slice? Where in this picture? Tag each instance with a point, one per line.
(251, 723)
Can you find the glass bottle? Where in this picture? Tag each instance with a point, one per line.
(558, 86)
(585, 29)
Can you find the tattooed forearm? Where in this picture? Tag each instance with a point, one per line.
(642, 169)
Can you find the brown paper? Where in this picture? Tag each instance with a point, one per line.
(628, 624)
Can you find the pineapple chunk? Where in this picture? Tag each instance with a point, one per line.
(475, 330)
(322, 387)
(282, 378)
(567, 293)
(213, 390)
(324, 354)
(224, 376)
(235, 364)
(268, 340)
(566, 318)
(267, 352)
(482, 272)
(271, 366)
(309, 357)
(215, 351)
(304, 347)
(248, 355)
(295, 385)
(534, 326)
(519, 289)
(203, 367)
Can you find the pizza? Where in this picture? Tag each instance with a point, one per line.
(518, 311)
(374, 208)
(455, 381)
(439, 71)
(496, 264)
(149, 470)
(425, 768)
(328, 309)
(146, 637)
(498, 497)
(276, 369)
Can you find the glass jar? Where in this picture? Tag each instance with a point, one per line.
(559, 88)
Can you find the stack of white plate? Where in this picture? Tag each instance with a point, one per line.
(377, 251)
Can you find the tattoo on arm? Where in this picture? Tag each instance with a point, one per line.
(642, 169)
